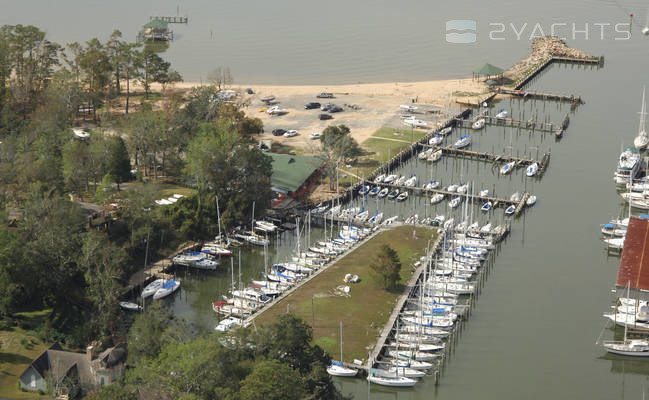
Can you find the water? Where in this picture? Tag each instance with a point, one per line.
(533, 331)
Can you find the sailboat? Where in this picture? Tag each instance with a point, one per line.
(507, 168)
(642, 140)
(337, 368)
(463, 141)
(628, 347)
(532, 169)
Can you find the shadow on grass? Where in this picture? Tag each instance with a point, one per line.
(11, 358)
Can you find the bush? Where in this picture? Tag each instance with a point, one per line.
(5, 324)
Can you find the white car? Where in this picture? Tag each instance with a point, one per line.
(315, 135)
(290, 133)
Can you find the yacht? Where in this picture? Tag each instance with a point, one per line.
(627, 166)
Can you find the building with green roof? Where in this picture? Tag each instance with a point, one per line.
(293, 174)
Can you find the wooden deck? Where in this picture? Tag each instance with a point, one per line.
(541, 95)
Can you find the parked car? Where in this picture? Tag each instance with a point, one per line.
(279, 132)
(335, 109)
(290, 133)
(325, 95)
(327, 107)
(312, 105)
(325, 116)
(315, 135)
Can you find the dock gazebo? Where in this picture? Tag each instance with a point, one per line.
(489, 71)
(156, 30)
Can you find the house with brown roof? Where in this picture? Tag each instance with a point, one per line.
(66, 372)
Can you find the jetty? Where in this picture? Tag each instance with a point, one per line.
(586, 60)
(486, 156)
(171, 20)
(531, 124)
(525, 94)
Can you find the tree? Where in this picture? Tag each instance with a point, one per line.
(337, 146)
(76, 162)
(154, 69)
(119, 162)
(95, 66)
(103, 264)
(220, 77)
(272, 380)
(387, 267)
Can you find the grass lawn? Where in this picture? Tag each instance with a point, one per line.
(19, 349)
(368, 307)
(384, 144)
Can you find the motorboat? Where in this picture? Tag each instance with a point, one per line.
(507, 168)
(452, 187)
(375, 190)
(188, 258)
(531, 201)
(435, 156)
(265, 226)
(502, 114)
(615, 243)
(380, 178)
(515, 197)
(510, 210)
(415, 123)
(462, 142)
(486, 206)
(463, 188)
(168, 287)
(532, 169)
(627, 166)
(130, 306)
(437, 198)
(484, 193)
(478, 124)
(402, 196)
(384, 192)
(227, 324)
(393, 194)
(435, 140)
(206, 263)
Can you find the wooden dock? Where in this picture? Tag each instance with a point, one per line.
(594, 61)
(541, 96)
(531, 124)
(496, 201)
(479, 155)
(171, 20)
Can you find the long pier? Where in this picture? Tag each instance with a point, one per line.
(171, 20)
(595, 61)
(540, 95)
(448, 150)
(531, 124)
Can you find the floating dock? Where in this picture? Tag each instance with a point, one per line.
(541, 96)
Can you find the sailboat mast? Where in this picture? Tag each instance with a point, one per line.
(252, 230)
(341, 341)
(643, 113)
(218, 216)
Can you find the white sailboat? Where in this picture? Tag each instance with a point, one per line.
(628, 347)
(507, 168)
(337, 368)
(642, 140)
(532, 169)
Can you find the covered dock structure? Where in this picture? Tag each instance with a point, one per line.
(634, 263)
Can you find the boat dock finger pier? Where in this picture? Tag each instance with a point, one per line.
(496, 158)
